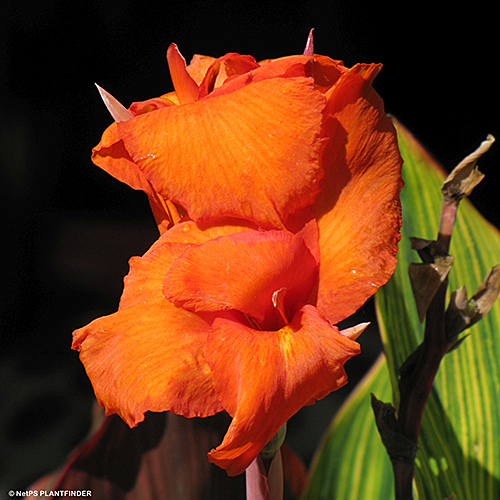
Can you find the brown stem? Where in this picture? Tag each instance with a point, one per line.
(417, 386)
(403, 475)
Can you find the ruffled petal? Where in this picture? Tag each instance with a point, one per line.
(150, 355)
(155, 103)
(253, 154)
(145, 280)
(227, 66)
(242, 272)
(358, 209)
(263, 378)
(324, 71)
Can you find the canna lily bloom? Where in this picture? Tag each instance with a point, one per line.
(276, 189)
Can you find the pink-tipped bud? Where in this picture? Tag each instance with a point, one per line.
(354, 331)
(118, 111)
(309, 50)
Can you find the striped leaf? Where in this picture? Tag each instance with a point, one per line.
(351, 463)
(460, 437)
(459, 446)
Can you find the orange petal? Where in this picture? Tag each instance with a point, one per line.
(184, 85)
(225, 67)
(242, 272)
(111, 155)
(155, 103)
(145, 279)
(358, 210)
(322, 69)
(303, 223)
(198, 67)
(150, 355)
(263, 378)
(252, 154)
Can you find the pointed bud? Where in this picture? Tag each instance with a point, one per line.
(309, 49)
(117, 110)
(354, 331)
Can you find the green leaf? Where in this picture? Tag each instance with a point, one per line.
(351, 462)
(460, 436)
(459, 441)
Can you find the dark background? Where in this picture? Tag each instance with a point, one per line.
(68, 229)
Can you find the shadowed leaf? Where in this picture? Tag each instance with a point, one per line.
(164, 457)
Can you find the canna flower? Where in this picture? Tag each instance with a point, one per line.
(275, 186)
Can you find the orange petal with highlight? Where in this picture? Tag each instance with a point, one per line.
(358, 210)
(253, 154)
(150, 355)
(242, 272)
(263, 378)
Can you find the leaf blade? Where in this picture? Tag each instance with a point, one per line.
(448, 461)
(343, 465)
(464, 403)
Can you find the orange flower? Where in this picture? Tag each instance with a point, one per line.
(289, 174)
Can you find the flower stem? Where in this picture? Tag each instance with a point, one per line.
(265, 480)
(418, 380)
(400, 433)
(446, 224)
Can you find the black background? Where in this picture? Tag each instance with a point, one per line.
(68, 229)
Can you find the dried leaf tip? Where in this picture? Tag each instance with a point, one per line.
(425, 281)
(463, 313)
(465, 176)
(117, 110)
(309, 49)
